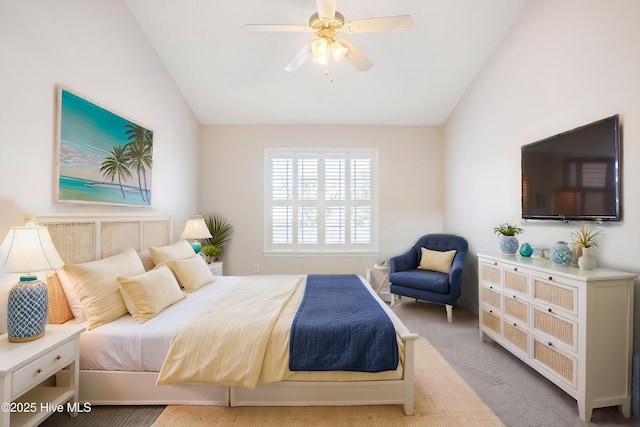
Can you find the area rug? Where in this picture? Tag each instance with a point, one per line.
(442, 399)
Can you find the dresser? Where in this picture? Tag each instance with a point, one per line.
(574, 327)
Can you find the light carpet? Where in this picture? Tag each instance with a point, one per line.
(442, 398)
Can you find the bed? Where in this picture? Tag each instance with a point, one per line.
(121, 360)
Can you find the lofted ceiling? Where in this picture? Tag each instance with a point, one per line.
(231, 76)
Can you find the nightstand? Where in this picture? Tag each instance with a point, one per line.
(25, 366)
(216, 268)
(378, 278)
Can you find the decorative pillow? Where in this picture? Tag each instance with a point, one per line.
(165, 254)
(437, 260)
(97, 285)
(59, 310)
(149, 293)
(72, 296)
(192, 273)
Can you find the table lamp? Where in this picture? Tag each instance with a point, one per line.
(196, 229)
(27, 250)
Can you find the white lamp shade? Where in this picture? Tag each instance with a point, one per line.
(196, 228)
(29, 249)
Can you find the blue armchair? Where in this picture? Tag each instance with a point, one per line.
(434, 286)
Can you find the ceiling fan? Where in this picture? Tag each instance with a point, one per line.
(327, 25)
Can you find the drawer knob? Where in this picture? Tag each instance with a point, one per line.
(515, 268)
(38, 371)
(550, 344)
(514, 297)
(58, 357)
(514, 324)
(550, 277)
(495, 263)
(550, 310)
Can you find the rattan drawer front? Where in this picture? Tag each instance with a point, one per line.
(516, 308)
(516, 336)
(559, 363)
(516, 281)
(491, 274)
(491, 297)
(564, 297)
(556, 326)
(491, 321)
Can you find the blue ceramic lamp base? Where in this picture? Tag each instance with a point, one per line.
(27, 307)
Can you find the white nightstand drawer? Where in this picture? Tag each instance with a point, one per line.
(40, 369)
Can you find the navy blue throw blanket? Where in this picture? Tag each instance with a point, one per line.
(340, 326)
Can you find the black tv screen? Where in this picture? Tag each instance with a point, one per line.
(574, 175)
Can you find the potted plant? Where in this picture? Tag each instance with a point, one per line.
(212, 252)
(220, 232)
(583, 245)
(508, 240)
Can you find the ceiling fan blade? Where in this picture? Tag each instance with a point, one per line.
(387, 23)
(326, 8)
(300, 57)
(276, 27)
(355, 56)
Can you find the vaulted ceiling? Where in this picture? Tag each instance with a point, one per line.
(231, 76)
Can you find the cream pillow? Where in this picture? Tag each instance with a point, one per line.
(192, 273)
(437, 260)
(165, 254)
(72, 296)
(98, 288)
(147, 294)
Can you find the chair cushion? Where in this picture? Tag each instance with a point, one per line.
(422, 279)
(436, 260)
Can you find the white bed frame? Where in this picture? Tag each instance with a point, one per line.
(138, 388)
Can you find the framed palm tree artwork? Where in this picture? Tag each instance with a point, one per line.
(102, 157)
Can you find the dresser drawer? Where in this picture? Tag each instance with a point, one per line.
(491, 297)
(561, 364)
(516, 336)
(558, 295)
(491, 321)
(516, 281)
(556, 327)
(40, 369)
(491, 274)
(516, 308)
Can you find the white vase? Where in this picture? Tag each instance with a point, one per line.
(587, 261)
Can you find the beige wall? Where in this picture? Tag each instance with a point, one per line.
(96, 49)
(561, 65)
(232, 186)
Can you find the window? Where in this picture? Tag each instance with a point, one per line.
(321, 200)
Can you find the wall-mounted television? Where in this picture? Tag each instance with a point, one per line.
(574, 175)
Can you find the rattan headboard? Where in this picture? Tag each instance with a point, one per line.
(88, 238)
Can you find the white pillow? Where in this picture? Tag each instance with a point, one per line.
(147, 294)
(165, 254)
(437, 260)
(97, 285)
(192, 273)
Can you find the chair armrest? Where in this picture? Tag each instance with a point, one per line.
(404, 262)
(457, 267)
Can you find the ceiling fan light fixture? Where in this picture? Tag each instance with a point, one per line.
(319, 48)
(337, 51)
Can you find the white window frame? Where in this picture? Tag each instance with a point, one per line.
(296, 248)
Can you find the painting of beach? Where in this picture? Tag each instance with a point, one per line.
(102, 158)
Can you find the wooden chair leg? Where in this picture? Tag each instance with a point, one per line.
(449, 309)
